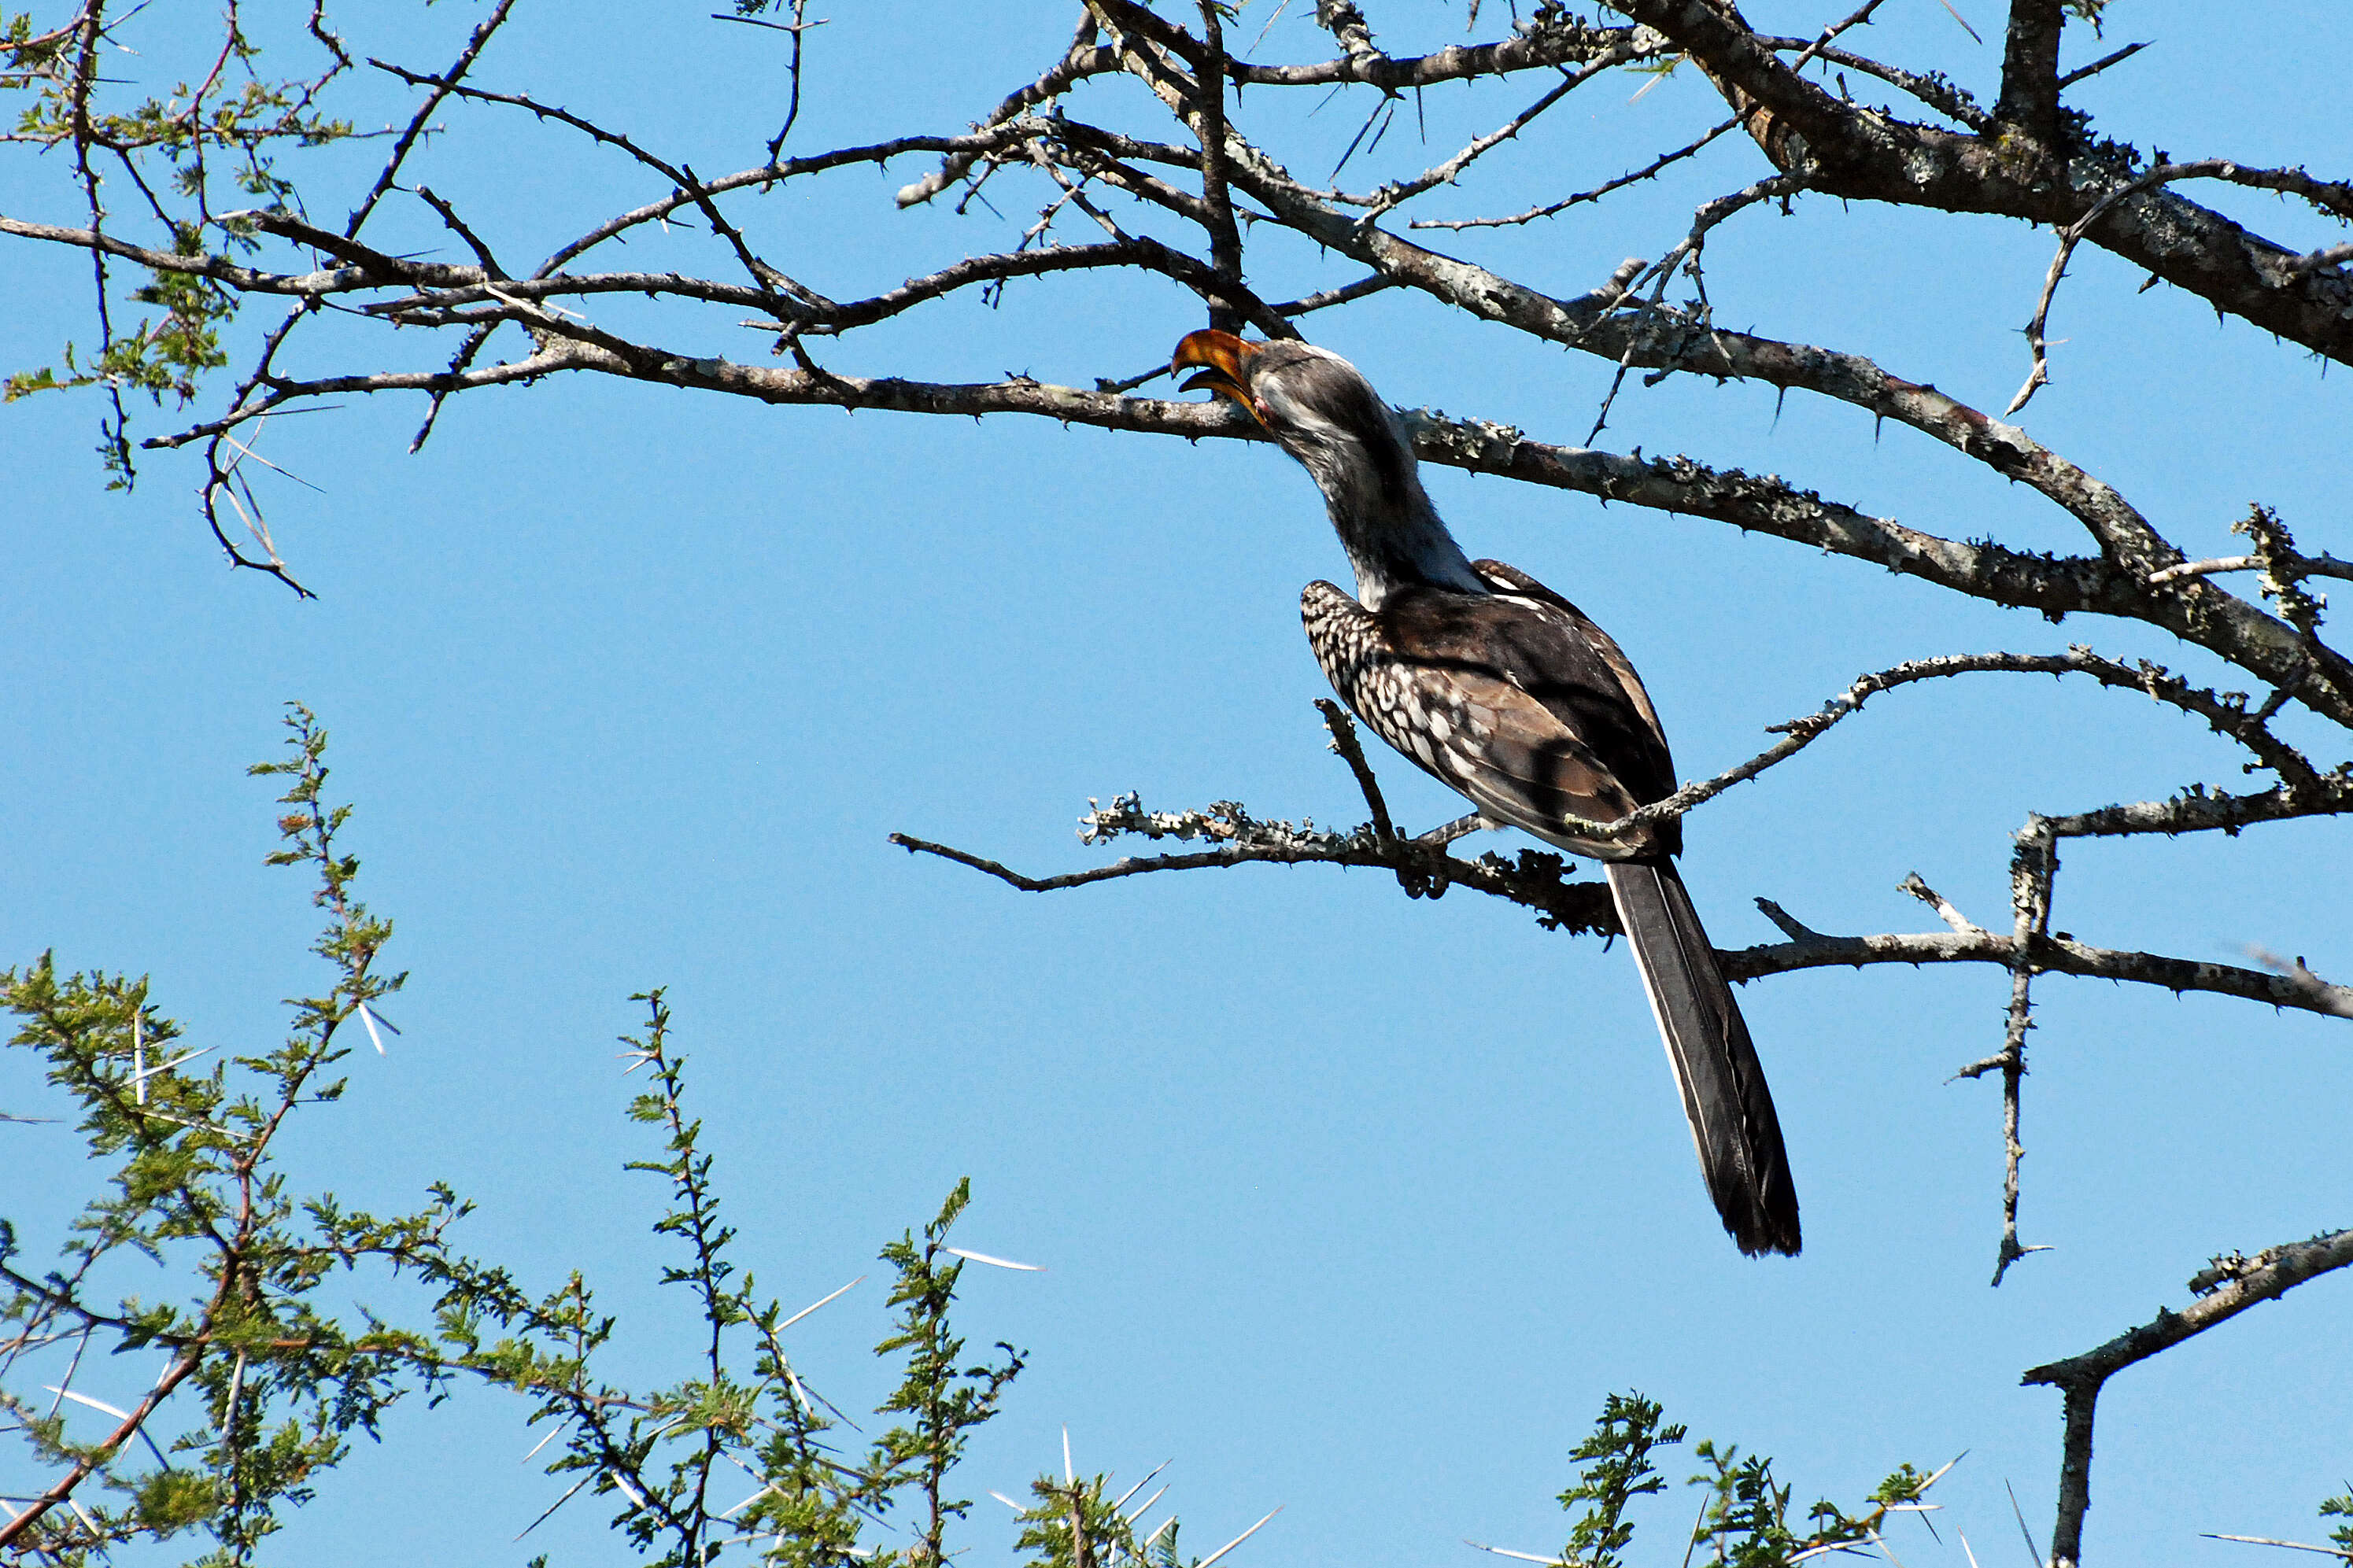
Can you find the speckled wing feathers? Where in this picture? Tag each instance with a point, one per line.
(1509, 698)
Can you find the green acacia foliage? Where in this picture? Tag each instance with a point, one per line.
(172, 158)
(267, 1376)
(1614, 1468)
(195, 1183)
(1744, 1517)
(2341, 1507)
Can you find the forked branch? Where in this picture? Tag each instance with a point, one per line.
(2225, 1288)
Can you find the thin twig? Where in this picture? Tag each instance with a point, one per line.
(2034, 866)
(1550, 208)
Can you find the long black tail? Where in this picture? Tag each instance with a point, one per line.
(1732, 1121)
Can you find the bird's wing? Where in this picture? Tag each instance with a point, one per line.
(1450, 680)
(1613, 712)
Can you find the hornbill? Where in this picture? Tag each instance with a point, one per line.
(1503, 690)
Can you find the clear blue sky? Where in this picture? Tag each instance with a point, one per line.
(1347, 1203)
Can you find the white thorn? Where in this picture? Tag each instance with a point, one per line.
(993, 1262)
(85, 1399)
(1237, 1540)
(805, 1311)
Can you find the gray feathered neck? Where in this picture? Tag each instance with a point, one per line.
(1326, 414)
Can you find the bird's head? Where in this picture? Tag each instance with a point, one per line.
(1319, 407)
(1322, 411)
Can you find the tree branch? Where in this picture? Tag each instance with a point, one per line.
(2049, 955)
(1557, 41)
(2033, 869)
(2192, 607)
(1216, 201)
(1534, 881)
(63, 1490)
(1084, 59)
(1846, 151)
(2030, 69)
(2226, 1288)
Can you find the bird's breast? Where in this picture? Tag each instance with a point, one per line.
(1420, 719)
